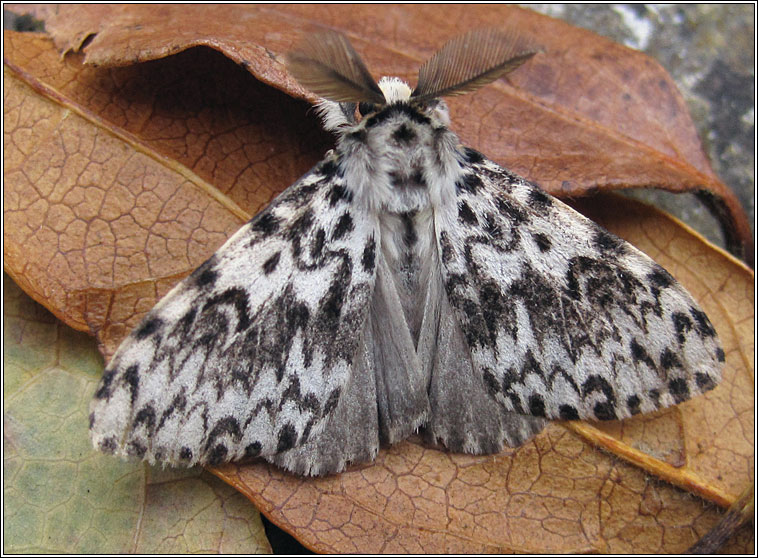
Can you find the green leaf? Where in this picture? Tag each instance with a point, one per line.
(62, 496)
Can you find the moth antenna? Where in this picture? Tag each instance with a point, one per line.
(327, 64)
(470, 61)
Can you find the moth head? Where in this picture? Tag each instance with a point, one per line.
(327, 64)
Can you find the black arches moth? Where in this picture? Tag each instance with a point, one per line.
(406, 283)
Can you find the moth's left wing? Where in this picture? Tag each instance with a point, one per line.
(253, 352)
(562, 319)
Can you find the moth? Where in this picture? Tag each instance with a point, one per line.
(405, 284)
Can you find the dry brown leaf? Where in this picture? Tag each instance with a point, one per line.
(119, 182)
(588, 113)
(556, 494)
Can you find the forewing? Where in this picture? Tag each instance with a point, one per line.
(563, 319)
(249, 355)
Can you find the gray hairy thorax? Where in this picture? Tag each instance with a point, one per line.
(391, 159)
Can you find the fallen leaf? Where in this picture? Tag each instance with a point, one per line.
(120, 181)
(588, 113)
(555, 494)
(739, 514)
(112, 242)
(62, 496)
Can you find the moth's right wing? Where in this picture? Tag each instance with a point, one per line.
(251, 354)
(562, 319)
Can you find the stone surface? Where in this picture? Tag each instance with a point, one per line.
(708, 50)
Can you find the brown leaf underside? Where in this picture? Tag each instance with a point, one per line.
(554, 494)
(612, 114)
(108, 202)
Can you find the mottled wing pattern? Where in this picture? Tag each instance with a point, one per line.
(249, 355)
(463, 415)
(384, 400)
(563, 319)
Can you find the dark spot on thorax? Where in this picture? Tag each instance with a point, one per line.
(397, 109)
(359, 136)
(417, 178)
(409, 229)
(403, 134)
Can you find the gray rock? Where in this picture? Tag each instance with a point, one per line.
(708, 50)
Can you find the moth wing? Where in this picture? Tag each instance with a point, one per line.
(250, 354)
(385, 399)
(564, 320)
(464, 416)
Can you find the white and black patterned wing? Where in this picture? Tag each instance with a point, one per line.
(464, 416)
(250, 354)
(385, 399)
(563, 319)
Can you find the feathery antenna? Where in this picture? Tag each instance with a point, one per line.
(470, 61)
(326, 63)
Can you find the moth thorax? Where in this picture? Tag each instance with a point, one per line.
(395, 90)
